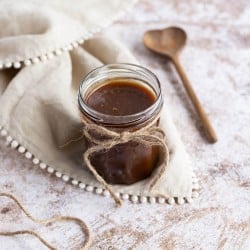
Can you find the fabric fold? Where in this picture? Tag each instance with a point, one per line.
(33, 31)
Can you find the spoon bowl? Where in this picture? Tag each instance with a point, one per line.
(169, 42)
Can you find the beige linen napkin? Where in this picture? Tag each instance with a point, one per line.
(39, 114)
(33, 31)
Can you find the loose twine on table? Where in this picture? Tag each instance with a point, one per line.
(104, 139)
(82, 224)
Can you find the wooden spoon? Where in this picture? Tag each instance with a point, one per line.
(169, 42)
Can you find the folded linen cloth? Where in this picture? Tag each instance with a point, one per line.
(36, 30)
(39, 113)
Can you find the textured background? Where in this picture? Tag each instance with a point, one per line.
(217, 61)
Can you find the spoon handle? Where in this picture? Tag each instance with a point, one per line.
(209, 131)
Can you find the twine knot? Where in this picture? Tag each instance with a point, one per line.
(124, 135)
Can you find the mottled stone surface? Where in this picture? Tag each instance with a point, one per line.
(217, 61)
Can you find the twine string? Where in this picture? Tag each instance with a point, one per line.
(103, 139)
(82, 224)
(71, 141)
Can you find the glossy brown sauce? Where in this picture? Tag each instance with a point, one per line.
(120, 98)
(129, 162)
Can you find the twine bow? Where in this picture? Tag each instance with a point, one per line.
(103, 139)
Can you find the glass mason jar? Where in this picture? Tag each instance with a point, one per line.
(132, 161)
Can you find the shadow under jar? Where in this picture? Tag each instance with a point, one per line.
(122, 98)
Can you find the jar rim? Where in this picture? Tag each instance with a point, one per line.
(131, 119)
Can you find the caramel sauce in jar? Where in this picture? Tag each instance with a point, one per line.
(122, 97)
(119, 97)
